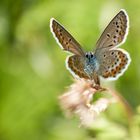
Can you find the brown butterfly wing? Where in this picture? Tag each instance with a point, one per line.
(75, 64)
(113, 63)
(65, 39)
(115, 33)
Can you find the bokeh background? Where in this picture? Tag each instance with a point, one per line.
(33, 73)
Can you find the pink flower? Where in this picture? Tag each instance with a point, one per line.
(77, 100)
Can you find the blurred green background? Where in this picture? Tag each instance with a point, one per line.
(33, 73)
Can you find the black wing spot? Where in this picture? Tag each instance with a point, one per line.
(114, 41)
(110, 45)
(123, 56)
(70, 40)
(108, 35)
(112, 53)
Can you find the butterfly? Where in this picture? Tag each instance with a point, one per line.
(106, 61)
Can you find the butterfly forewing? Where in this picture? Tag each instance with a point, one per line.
(115, 33)
(65, 39)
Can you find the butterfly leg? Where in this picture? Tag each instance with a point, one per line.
(97, 82)
(96, 79)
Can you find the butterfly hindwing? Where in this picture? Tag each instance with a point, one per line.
(75, 64)
(113, 63)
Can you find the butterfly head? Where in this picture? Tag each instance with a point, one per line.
(89, 55)
(90, 58)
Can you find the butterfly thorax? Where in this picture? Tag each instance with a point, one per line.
(91, 64)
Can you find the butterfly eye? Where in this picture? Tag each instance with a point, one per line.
(91, 55)
(86, 55)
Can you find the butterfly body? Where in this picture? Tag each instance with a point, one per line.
(106, 61)
(91, 64)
